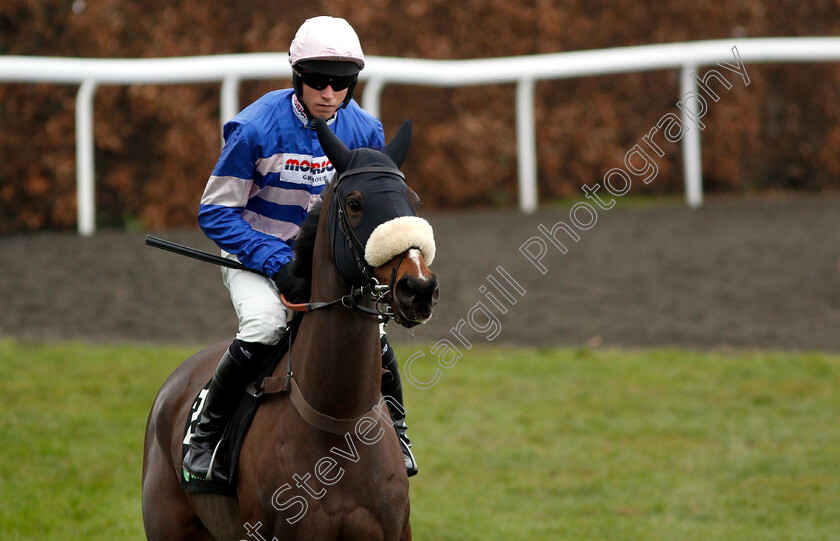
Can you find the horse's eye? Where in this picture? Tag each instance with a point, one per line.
(354, 205)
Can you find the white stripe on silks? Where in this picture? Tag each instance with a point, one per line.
(269, 226)
(226, 191)
(282, 196)
(271, 164)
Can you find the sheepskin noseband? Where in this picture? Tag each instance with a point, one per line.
(395, 236)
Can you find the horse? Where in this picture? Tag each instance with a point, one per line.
(366, 240)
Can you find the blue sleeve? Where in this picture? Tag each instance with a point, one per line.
(258, 251)
(226, 194)
(378, 137)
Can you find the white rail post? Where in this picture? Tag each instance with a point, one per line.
(526, 145)
(371, 96)
(229, 99)
(85, 183)
(692, 164)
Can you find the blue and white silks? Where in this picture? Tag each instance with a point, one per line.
(270, 171)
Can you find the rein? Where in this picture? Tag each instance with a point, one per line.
(379, 293)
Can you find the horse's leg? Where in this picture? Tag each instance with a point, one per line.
(167, 514)
(220, 514)
(407, 533)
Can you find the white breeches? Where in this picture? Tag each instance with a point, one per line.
(262, 317)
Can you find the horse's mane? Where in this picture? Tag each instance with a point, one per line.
(299, 288)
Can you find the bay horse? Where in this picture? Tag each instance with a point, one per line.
(365, 239)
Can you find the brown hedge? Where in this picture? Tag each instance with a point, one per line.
(155, 145)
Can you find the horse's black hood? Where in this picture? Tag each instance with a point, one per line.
(385, 195)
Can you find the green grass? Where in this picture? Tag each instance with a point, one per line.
(512, 443)
(72, 418)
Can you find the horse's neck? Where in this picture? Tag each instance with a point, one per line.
(337, 357)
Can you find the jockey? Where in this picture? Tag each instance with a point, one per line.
(270, 173)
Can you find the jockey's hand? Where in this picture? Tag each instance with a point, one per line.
(292, 286)
(282, 276)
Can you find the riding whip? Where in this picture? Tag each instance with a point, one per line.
(196, 254)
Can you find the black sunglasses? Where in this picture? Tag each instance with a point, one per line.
(319, 81)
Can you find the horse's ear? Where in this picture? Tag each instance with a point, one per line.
(336, 151)
(397, 149)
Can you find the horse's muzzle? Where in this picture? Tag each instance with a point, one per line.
(414, 298)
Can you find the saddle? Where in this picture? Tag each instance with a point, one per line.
(227, 455)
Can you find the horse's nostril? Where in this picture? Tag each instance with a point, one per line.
(411, 290)
(406, 291)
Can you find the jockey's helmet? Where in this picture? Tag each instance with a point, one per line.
(326, 50)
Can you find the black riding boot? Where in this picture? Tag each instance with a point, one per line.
(392, 390)
(232, 375)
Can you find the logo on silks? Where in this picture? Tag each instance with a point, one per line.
(384, 196)
(315, 167)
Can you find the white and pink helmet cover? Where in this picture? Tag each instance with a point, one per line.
(326, 38)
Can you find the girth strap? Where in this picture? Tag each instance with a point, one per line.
(314, 418)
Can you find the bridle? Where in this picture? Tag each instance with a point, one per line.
(381, 293)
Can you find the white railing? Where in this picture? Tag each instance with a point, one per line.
(524, 71)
